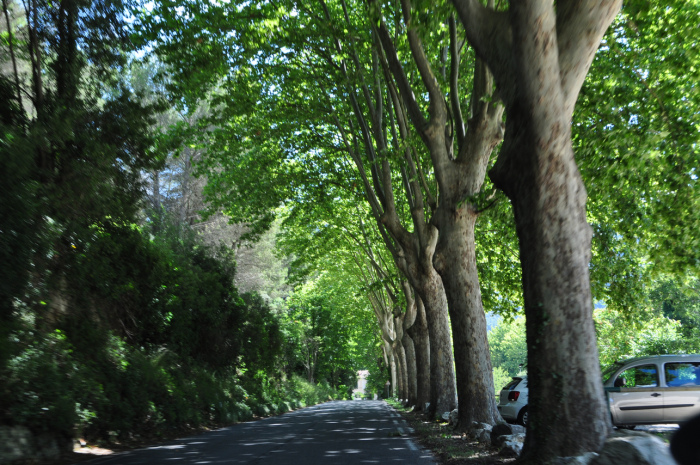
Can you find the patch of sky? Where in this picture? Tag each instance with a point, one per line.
(492, 320)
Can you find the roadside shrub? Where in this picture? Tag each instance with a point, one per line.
(242, 411)
(43, 380)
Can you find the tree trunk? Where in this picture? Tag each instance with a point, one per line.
(394, 374)
(391, 367)
(411, 381)
(401, 354)
(563, 366)
(540, 58)
(407, 320)
(400, 357)
(403, 375)
(456, 262)
(443, 396)
(421, 342)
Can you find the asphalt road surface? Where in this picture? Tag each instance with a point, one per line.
(341, 432)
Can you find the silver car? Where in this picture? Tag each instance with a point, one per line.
(657, 389)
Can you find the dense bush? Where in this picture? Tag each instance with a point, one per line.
(115, 318)
(125, 391)
(152, 336)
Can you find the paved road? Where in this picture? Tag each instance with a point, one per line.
(341, 432)
(665, 429)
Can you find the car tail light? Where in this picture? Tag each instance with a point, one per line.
(513, 395)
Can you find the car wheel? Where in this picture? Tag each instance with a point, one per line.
(522, 417)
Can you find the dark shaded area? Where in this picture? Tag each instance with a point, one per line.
(684, 444)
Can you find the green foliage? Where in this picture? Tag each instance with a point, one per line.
(261, 336)
(329, 331)
(679, 300)
(43, 385)
(376, 381)
(116, 318)
(621, 337)
(635, 134)
(508, 346)
(500, 378)
(19, 209)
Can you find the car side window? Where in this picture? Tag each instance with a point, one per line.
(682, 374)
(638, 377)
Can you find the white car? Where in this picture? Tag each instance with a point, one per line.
(513, 401)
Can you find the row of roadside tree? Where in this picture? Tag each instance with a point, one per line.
(376, 124)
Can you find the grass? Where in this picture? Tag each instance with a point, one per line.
(450, 447)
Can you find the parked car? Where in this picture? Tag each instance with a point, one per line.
(640, 391)
(513, 401)
(656, 389)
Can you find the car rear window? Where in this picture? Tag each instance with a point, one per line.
(510, 386)
(682, 374)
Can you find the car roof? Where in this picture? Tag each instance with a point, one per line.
(660, 358)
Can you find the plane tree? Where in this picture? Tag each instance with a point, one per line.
(540, 54)
(459, 140)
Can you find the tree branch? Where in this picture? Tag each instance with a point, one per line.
(387, 47)
(455, 59)
(581, 25)
(489, 33)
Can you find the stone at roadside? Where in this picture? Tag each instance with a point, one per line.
(479, 425)
(584, 459)
(501, 440)
(446, 416)
(483, 436)
(19, 443)
(518, 429)
(453, 417)
(481, 431)
(511, 445)
(505, 429)
(634, 448)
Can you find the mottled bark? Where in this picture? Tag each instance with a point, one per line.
(401, 371)
(443, 396)
(393, 370)
(390, 364)
(475, 386)
(408, 320)
(540, 55)
(401, 357)
(411, 382)
(419, 334)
